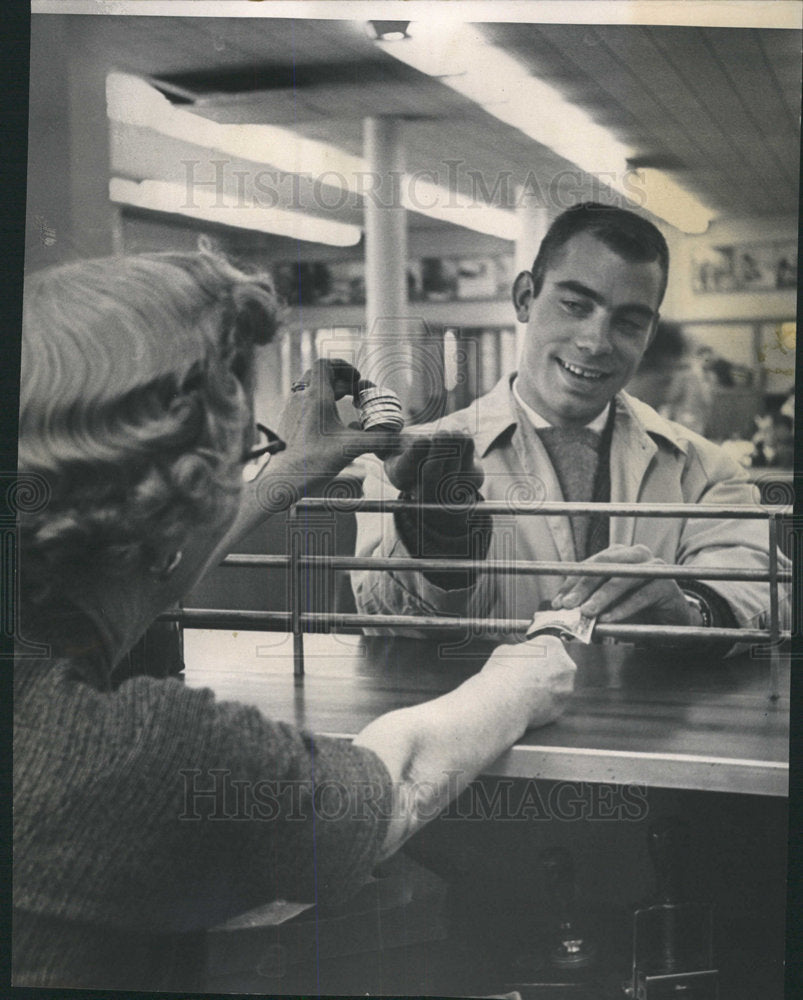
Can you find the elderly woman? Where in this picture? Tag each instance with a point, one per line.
(137, 379)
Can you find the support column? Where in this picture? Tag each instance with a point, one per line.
(390, 354)
(385, 222)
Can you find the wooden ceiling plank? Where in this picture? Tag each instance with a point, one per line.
(757, 105)
(714, 93)
(153, 45)
(637, 74)
(763, 141)
(288, 41)
(750, 78)
(612, 70)
(715, 144)
(775, 73)
(478, 149)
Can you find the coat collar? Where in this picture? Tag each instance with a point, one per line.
(637, 424)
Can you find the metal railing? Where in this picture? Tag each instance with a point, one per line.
(298, 621)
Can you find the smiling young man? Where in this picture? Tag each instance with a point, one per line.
(562, 428)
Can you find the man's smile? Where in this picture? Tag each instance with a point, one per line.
(582, 371)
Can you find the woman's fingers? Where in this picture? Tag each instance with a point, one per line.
(335, 374)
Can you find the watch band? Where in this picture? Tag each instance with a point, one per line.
(695, 601)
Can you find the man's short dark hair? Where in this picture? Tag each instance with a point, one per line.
(629, 235)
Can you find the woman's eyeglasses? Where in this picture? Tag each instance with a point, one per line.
(269, 444)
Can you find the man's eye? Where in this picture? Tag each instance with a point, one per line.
(575, 307)
(631, 327)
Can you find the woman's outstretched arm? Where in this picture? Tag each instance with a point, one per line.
(432, 751)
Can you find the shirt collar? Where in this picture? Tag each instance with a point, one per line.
(496, 412)
(539, 423)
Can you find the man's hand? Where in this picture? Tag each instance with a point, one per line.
(438, 469)
(627, 599)
(441, 469)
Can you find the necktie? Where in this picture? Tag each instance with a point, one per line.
(575, 453)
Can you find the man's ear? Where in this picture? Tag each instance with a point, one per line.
(523, 295)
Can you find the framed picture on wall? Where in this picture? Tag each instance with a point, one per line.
(745, 267)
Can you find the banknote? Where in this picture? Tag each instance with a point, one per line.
(565, 621)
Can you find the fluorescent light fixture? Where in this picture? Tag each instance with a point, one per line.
(211, 206)
(437, 202)
(665, 198)
(465, 61)
(133, 101)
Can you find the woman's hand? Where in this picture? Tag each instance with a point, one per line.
(319, 445)
(540, 670)
(433, 750)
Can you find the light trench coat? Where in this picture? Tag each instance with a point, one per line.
(653, 460)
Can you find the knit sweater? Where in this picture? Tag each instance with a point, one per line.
(120, 859)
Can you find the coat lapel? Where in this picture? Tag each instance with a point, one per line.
(632, 452)
(536, 464)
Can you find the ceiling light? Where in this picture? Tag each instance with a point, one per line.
(212, 206)
(446, 205)
(665, 198)
(131, 100)
(387, 31)
(460, 56)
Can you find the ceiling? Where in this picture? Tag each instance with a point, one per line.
(718, 108)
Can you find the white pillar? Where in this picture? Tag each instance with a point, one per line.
(385, 222)
(534, 222)
(391, 353)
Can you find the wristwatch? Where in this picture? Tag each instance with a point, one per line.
(695, 601)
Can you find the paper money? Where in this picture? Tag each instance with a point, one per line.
(564, 622)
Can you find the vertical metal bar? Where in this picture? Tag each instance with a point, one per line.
(775, 652)
(295, 593)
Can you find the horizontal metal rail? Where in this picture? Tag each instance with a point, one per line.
(298, 622)
(497, 566)
(256, 621)
(543, 507)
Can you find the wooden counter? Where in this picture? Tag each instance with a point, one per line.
(636, 717)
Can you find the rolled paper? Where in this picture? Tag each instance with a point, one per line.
(380, 408)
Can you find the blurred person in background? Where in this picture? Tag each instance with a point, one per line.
(672, 379)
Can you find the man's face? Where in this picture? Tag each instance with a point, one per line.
(586, 330)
